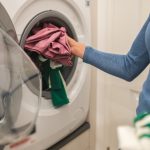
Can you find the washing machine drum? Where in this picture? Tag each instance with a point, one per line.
(58, 19)
(18, 75)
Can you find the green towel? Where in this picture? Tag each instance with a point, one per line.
(57, 89)
(146, 125)
(140, 117)
(142, 125)
(145, 136)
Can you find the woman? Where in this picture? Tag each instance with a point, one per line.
(127, 66)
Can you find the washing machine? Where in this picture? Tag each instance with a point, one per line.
(53, 124)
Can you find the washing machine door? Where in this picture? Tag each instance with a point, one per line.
(18, 75)
(6, 23)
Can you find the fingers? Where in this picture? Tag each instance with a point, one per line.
(71, 41)
(77, 48)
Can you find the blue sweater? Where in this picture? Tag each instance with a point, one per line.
(127, 66)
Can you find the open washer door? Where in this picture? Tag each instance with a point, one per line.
(18, 75)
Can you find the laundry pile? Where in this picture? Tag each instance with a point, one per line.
(51, 45)
(135, 137)
(50, 42)
(142, 128)
(53, 81)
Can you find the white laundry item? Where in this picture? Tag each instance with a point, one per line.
(142, 130)
(42, 59)
(128, 139)
(143, 122)
(55, 65)
(145, 143)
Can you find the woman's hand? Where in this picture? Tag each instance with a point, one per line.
(77, 48)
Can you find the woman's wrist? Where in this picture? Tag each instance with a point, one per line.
(79, 50)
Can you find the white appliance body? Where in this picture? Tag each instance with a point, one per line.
(54, 124)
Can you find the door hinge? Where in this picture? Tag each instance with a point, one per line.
(108, 148)
(87, 2)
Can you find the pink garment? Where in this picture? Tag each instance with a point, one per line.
(50, 42)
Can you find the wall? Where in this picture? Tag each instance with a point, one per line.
(92, 113)
(118, 24)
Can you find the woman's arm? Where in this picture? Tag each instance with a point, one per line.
(126, 66)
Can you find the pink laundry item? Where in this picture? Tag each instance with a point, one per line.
(50, 42)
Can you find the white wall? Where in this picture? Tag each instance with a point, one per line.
(93, 97)
(118, 24)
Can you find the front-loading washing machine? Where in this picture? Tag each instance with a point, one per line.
(53, 124)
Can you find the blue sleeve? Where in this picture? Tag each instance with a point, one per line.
(126, 66)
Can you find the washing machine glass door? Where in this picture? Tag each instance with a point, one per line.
(19, 77)
(6, 23)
